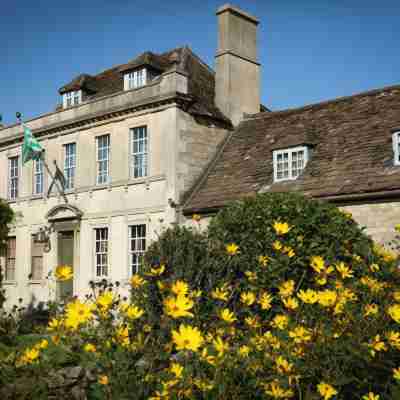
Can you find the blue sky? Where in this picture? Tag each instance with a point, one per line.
(310, 50)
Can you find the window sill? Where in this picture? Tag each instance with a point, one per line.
(9, 283)
(36, 282)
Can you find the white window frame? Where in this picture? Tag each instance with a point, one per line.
(143, 171)
(38, 177)
(396, 149)
(70, 165)
(100, 267)
(7, 258)
(72, 98)
(135, 79)
(289, 151)
(99, 161)
(13, 180)
(139, 251)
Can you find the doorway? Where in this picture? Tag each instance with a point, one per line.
(65, 249)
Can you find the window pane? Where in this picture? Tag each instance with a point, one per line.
(101, 249)
(139, 152)
(137, 238)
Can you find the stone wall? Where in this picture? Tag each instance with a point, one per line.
(197, 146)
(379, 219)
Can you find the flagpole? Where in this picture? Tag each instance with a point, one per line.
(61, 192)
(53, 177)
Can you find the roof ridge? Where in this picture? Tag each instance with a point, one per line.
(323, 103)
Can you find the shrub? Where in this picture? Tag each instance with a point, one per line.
(6, 217)
(283, 298)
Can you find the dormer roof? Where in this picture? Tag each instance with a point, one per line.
(201, 79)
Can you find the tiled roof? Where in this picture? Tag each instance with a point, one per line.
(201, 79)
(351, 141)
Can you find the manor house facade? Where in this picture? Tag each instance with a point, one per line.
(145, 144)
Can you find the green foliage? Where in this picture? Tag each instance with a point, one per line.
(280, 296)
(6, 217)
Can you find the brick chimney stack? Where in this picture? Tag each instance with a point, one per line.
(237, 79)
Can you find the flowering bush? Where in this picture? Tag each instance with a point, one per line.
(292, 301)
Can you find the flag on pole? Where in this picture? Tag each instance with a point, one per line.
(31, 149)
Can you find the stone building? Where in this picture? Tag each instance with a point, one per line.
(130, 141)
(145, 144)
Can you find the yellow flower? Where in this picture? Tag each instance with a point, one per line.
(232, 249)
(371, 396)
(277, 245)
(137, 281)
(122, 335)
(89, 348)
(220, 293)
(286, 289)
(273, 389)
(371, 309)
(396, 295)
(244, 351)
(176, 369)
(54, 324)
(220, 346)
(252, 322)
(63, 273)
(317, 263)
(394, 312)
(157, 271)
(77, 313)
(289, 251)
(248, 298)
(263, 260)
(326, 391)
(103, 380)
(227, 315)
(396, 373)
(300, 334)
(283, 366)
(196, 217)
(280, 321)
(344, 270)
(376, 345)
(30, 356)
(105, 300)
(43, 344)
(374, 267)
(187, 338)
(290, 303)
(265, 301)
(177, 307)
(327, 298)
(394, 339)
(251, 276)
(133, 312)
(180, 287)
(281, 228)
(308, 296)
(56, 339)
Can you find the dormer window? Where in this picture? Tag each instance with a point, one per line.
(289, 163)
(396, 148)
(72, 98)
(135, 79)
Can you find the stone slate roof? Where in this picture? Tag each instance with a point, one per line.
(201, 79)
(351, 143)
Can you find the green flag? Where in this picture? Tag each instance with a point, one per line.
(31, 149)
